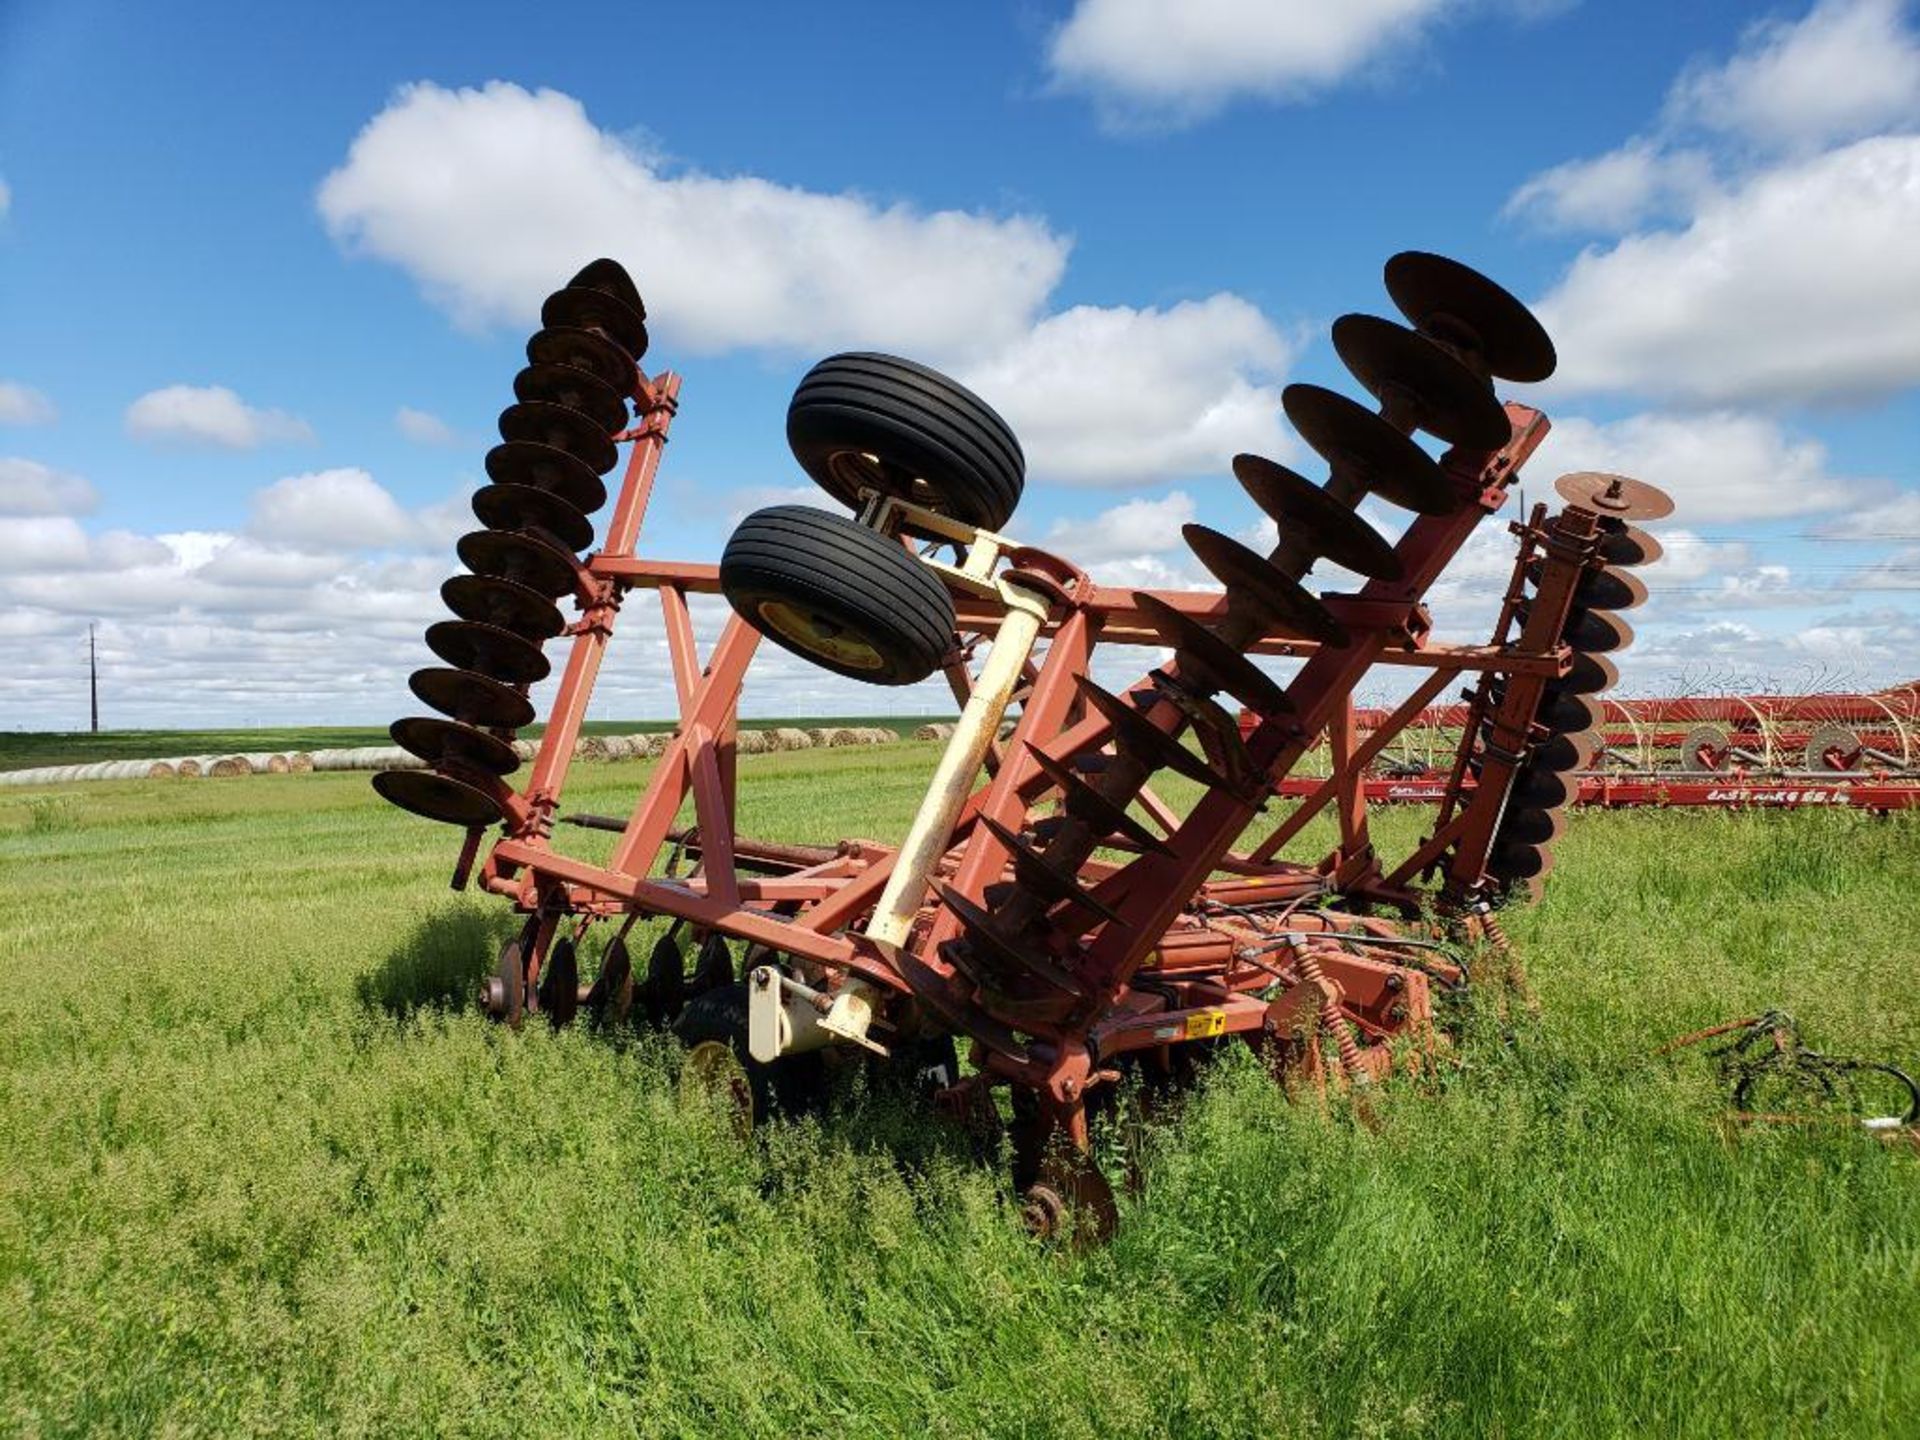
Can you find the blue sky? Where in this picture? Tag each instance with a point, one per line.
(265, 274)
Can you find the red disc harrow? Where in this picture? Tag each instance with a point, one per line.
(1092, 888)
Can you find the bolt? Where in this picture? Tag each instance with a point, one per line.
(1396, 982)
(1396, 1013)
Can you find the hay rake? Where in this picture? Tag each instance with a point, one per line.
(1048, 906)
(1832, 750)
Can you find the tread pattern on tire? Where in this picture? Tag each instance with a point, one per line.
(829, 562)
(914, 418)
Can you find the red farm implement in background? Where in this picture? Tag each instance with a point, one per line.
(1055, 905)
(1835, 750)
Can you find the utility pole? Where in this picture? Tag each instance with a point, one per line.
(93, 679)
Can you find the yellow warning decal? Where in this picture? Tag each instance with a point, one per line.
(1204, 1024)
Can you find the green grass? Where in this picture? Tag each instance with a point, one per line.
(28, 749)
(261, 1170)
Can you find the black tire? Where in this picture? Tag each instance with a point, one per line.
(791, 1085)
(834, 592)
(937, 443)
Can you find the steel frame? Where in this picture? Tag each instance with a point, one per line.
(1194, 916)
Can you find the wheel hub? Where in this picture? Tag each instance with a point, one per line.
(820, 635)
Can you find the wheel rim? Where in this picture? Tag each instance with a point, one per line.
(819, 634)
(713, 1072)
(855, 470)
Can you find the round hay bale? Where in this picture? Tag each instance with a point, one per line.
(188, 769)
(274, 764)
(819, 735)
(929, 732)
(160, 770)
(750, 742)
(653, 743)
(229, 766)
(881, 735)
(525, 749)
(793, 739)
(300, 763)
(590, 747)
(617, 747)
(837, 736)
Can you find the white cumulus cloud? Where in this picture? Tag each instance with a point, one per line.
(423, 427)
(1116, 396)
(23, 405)
(730, 261)
(1803, 283)
(1613, 192)
(29, 488)
(209, 416)
(1847, 69)
(1098, 395)
(1180, 60)
(1718, 466)
(343, 509)
(1128, 531)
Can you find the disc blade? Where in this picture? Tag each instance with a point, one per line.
(1036, 873)
(1220, 665)
(612, 277)
(1588, 675)
(933, 990)
(1365, 450)
(1597, 632)
(1628, 545)
(1544, 788)
(1145, 741)
(437, 797)
(1564, 754)
(586, 309)
(574, 388)
(564, 429)
(542, 467)
(444, 742)
(1004, 953)
(1088, 805)
(1519, 862)
(472, 699)
(1312, 519)
(1611, 589)
(500, 654)
(1531, 825)
(1463, 308)
(521, 507)
(1435, 392)
(1566, 714)
(1255, 589)
(505, 603)
(587, 350)
(1606, 588)
(1619, 497)
(522, 559)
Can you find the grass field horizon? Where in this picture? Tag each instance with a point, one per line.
(263, 1169)
(32, 749)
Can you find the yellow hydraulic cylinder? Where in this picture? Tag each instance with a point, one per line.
(928, 837)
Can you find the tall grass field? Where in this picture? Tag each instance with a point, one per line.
(263, 1169)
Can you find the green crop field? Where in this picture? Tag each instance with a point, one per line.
(263, 1170)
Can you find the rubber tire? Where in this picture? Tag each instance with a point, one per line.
(945, 448)
(791, 1085)
(859, 580)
